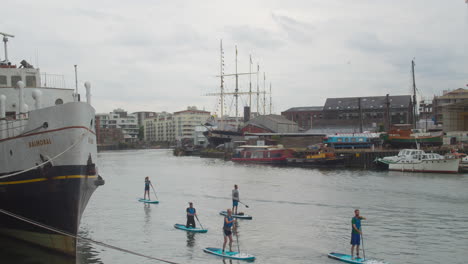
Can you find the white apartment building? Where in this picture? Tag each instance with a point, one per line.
(159, 128)
(120, 119)
(185, 122)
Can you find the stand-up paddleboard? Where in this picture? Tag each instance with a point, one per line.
(148, 201)
(229, 254)
(346, 258)
(190, 229)
(240, 216)
(349, 259)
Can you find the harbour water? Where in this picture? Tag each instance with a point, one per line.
(299, 215)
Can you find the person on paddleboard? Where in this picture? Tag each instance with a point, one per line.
(227, 229)
(191, 213)
(235, 199)
(147, 188)
(356, 232)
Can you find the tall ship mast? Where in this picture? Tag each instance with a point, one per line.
(48, 168)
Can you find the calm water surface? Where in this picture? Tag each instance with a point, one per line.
(299, 215)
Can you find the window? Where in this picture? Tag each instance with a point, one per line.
(14, 80)
(30, 81)
(58, 101)
(3, 80)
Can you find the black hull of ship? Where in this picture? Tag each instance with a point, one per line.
(54, 196)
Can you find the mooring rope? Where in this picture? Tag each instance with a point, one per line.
(45, 162)
(24, 219)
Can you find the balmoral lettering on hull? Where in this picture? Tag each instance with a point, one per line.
(40, 142)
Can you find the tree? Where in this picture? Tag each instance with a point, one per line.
(141, 133)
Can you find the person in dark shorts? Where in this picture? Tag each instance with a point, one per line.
(191, 213)
(147, 188)
(356, 232)
(235, 199)
(227, 226)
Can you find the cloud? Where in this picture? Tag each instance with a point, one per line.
(296, 30)
(255, 36)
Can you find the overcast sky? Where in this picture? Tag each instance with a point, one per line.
(149, 55)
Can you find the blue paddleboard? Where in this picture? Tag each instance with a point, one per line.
(348, 259)
(240, 216)
(229, 254)
(148, 201)
(190, 229)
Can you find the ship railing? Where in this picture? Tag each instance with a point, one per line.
(13, 126)
(50, 80)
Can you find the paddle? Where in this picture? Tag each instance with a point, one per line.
(154, 191)
(244, 204)
(199, 221)
(237, 238)
(363, 251)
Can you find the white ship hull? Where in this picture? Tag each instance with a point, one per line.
(440, 166)
(61, 139)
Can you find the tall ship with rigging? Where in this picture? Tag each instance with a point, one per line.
(48, 159)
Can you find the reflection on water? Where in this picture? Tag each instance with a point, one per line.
(227, 261)
(15, 251)
(147, 208)
(190, 239)
(85, 251)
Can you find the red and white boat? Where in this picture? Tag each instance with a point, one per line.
(262, 154)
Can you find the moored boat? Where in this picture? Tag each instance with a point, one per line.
(262, 154)
(415, 160)
(48, 168)
(319, 157)
(402, 136)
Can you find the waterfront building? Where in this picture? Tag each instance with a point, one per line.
(159, 128)
(358, 114)
(120, 119)
(185, 122)
(304, 116)
(142, 115)
(426, 114)
(448, 97)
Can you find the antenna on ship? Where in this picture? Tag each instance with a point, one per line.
(76, 84)
(5, 41)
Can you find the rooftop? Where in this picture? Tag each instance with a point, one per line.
(305, 109)
(370, 102)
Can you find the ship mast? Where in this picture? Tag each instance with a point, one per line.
(264, 93)
(414, 95)
(271, 103)
(222, 79)
(236, 93)
(258, 90)
(250, 82)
